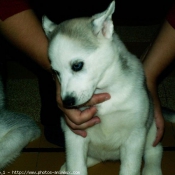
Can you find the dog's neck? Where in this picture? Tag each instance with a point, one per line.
(123, 69)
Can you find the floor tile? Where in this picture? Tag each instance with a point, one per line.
(168, 163)
(50, 161)
(168, 138)
(105, 168)
(26, 161)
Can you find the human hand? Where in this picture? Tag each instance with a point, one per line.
(152, 86)
(160, 126)
(78, 120)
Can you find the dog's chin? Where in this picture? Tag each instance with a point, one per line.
(83, 105)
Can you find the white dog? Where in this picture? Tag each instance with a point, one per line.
(16, 131)
(89, 58)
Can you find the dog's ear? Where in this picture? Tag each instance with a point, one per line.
(102, 23)
(48, 26)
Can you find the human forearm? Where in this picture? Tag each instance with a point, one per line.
(25, 31)
(160, 54)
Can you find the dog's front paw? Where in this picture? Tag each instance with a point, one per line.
(63, 167)
(151, 171)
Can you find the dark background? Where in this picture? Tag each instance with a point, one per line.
(131, 12)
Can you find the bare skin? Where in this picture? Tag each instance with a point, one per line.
(158, 57)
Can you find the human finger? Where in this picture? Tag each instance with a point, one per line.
(83, 125)
(79, 117)
(98, 98)
(159, 135)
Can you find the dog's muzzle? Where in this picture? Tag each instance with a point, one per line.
(69, 101)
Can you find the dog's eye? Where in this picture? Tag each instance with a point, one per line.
(77, 66)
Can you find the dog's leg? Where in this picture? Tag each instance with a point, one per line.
(76, 153)
(16, 131)
(63, 167)
(152, 155)
(92, 161)
(131, 153)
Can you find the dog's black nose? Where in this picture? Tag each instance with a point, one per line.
(69, 101)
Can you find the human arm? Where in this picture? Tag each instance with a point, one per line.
(25, 32)
(160, 55)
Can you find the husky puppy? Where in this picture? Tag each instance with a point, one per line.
(16, 131)
(89, 58)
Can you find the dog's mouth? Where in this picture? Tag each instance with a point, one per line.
(83, 105)
(70, 103)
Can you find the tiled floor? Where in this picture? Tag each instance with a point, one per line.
(52, 160)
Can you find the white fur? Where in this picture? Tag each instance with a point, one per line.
(127, 129)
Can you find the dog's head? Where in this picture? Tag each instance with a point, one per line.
(79, 50)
